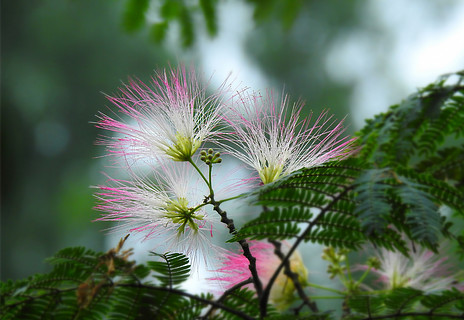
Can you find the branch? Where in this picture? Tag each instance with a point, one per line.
(229, 222)
(226, 293)
(293, 276)
(215, 304)
(265, 297)
(192, 296)
(409, 314)
(243, 243)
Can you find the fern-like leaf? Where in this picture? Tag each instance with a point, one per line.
(372, 195)
(423, 216)
(408, 303)
(174, 270)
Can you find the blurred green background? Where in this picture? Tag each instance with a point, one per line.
(58, 56)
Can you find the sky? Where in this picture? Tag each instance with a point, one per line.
(420, 53)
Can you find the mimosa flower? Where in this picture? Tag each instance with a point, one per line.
(423, 270)
(275, 144)
(172, 117)
(161, 208)
(235, 270)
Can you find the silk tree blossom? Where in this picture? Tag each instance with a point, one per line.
(423, 270)
(172, 117)
(160, 208)
(235, 270)
(275, 144)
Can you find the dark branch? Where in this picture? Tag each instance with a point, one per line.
(243, 243)
(191, 296)
(226, 293)
(215, 304)
(293, 276)
(422, 314)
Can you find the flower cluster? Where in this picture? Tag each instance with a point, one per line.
(162, 207)
(171, 118)
(269, 137)
(167, 123)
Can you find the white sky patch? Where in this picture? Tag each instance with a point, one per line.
(225, 54)
(424, 45)
(439, 50)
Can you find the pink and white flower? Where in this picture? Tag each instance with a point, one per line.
(275, 144)
(163, 207)
(423, 270)
(172, 117)
(235, 270)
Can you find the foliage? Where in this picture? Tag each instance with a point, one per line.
(405, 302)
(91, 285)
(184, 12)
(409, 166)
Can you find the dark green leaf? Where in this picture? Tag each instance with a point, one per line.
(134, 14)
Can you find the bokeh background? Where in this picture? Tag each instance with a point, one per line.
(58, 56)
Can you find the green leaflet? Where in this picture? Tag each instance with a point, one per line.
(174, 270)
(242, 299)
(391, 183)
(134, 14)
(291, 204)
(374, 204)
(447, 164)
(323, 202)
(85, 284)
(408, 303)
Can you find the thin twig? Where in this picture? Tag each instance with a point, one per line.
(226, 293)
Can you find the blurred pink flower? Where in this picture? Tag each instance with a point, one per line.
(423, 270)
(172, 117)
(275, 144)
(163, 207)
(235, 270)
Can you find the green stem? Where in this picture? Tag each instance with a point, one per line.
(325, 288)
(202, 176)
(343, 279)
(231, 198)
(210, 170)
(200, 205)
(364, 275)
(348, 271)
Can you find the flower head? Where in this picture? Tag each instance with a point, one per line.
(172, 117)
(235, 270)
(274, 144)
(161, 207)
(423, 270)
